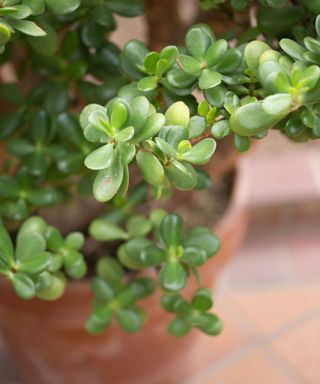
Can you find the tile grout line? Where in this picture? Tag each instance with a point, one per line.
(262, 341)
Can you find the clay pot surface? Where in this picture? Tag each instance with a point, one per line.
(49, 344)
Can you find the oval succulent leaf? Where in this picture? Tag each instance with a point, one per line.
(104, 230)
(108, 181)
(150, 167)
(216, 52)
(178, 114)
(190, 65)
(6, 248)
(209, 79)
(197, 43)
(171, 230)
(201, 153)
(101, 158)
(23, 286)
(173, 276)
(278, 104)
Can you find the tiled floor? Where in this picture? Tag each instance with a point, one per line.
(269, 295)
(272, 323)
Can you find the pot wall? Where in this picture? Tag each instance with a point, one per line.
(49, 344)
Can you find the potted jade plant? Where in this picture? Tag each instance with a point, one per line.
(111, 229)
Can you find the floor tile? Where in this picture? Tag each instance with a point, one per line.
(301, 348)
(269, 311)
(253, 369)
(210, 350)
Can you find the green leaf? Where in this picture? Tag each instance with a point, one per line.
(251, 119)
(180, 79)
(23, 286)
(162, 66)
(20, 147)
(62, 7)
(129, 320)
(103, 230)
(101, 158)
(241, 143)
(197, 126)
(171, 230)
(110, 270)
(103, 16)
(9, 122)
(197, 43)
(55, 290)
(5, 33)
(204, 180)
(151, 127)
(292, 48)
(44, 197)
(21, 12)
(27, 27)
(34, 224)
(179, 327)
(230, 61)
(215, 96)
(75, 265)
(294, 126)
(150, 167)
(108, 181)
(202, 300)
(138, 226)
(200, 153)
(220, 129)
(28, 245)
(35, 264)
(178, 114)
(75, 240)
(209, 79)
(150, 62)
(86, 112)
(147, 83)
(130, 253)
(139, 112)
(310, 77)
(182, 175)
(190, 65)
(173, 276)
(124, 134)
(252, 54)
(127, 8)
(317, 25)
(211, 324)
(216, 52)
(278, 104)
(45, 45)
(203, 238)
(194, 256)
(119, 115)
(6, 249)
(102, 289)
(54, 239)
(37, 6)
(152, 256)
(170, 53)
(135, 52)
(99, 319)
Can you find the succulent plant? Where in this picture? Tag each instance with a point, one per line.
(122, 126)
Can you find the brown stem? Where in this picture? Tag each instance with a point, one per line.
(165, 25)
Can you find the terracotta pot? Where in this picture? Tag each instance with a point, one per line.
(49, 344)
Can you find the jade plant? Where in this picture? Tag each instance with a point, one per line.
(86, 120)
